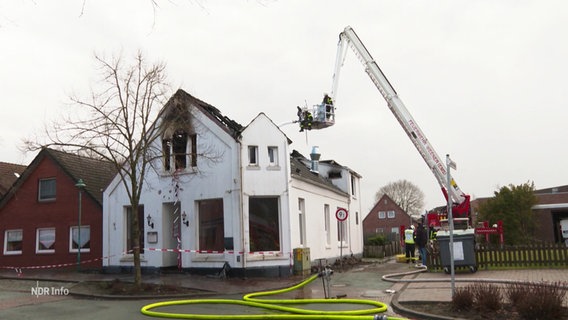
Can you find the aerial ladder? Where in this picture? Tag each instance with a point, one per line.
(348, 38)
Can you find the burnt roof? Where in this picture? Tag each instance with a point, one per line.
(9, 173)
(232, 127)
(95, 173)
(299, 170)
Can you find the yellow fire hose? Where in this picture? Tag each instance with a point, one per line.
(292, 313)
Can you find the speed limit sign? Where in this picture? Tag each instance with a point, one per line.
(341, 214)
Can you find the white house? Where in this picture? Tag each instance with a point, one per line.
(318, 190)
(225, 194)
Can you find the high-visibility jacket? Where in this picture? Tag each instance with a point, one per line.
(409, 236)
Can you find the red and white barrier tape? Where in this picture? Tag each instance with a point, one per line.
(19, 270)
(213, 251)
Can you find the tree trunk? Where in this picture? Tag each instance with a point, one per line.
(136, 246)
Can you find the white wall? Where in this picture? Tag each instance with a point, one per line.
(264, 179)
(217, 177)
(231, 178)
(315, 200)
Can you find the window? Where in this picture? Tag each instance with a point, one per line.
(166, 148)
(342, 230)
(390, 214)
(13, 241)
(395, 230)
(193, 151)
(253, 155)
(273, 156)
(382, 215)
(353, 183)
(130, 229)
(46, 189)
(327, 219)
(80, 239)
(178, 149)
(45, 240)
(264, 224)
(302, 220)
(211, 225)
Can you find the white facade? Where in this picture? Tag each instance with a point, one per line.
(227, 197)
(314, 202)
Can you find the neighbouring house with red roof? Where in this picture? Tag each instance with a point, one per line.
(9, 173)
(41, 224)
(385, 218)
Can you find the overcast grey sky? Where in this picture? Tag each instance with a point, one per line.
(485, 80)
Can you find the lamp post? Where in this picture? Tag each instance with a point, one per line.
(80, 185)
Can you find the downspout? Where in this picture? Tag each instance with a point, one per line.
(242, 209)
(351, 217)
(289, 202)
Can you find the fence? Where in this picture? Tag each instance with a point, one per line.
(525, 256)
(388, 250)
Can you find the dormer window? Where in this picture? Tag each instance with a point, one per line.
(180, 150)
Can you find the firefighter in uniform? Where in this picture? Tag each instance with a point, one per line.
(409, 240)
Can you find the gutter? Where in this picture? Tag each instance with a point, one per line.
(550, 206)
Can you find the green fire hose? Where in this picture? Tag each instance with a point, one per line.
(291, 313)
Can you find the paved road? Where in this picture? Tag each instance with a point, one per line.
(18, 300)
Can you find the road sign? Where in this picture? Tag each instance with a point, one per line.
(341, 214)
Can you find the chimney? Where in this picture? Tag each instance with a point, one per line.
(315, 156)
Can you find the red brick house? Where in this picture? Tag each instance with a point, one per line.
(552, 207)
(39, 214)
(385, 218)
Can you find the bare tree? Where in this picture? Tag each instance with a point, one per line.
(406, 194)
(115, 123)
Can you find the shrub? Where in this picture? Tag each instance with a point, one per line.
(462, 299)
(543, 301)
(517, 293)
(379, 240)
(487, 297)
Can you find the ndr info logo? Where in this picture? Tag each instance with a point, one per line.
(49, 291)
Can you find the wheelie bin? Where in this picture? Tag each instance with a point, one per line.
(464, 249)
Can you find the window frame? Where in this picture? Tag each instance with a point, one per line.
(38, 240)
(272, 156)
(265, 219)
(48, 197)
(342, 233)
(218, 242)
(391, 214)
(327, 224)
(13, 252)
(71, 241)
(179, 161)
(253, 156)
(302, 221)
(353, 186)
(382, 215)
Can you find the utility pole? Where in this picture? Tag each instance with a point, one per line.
(80, 185)
(451, 164)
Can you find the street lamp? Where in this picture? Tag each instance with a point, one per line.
(80, 185)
